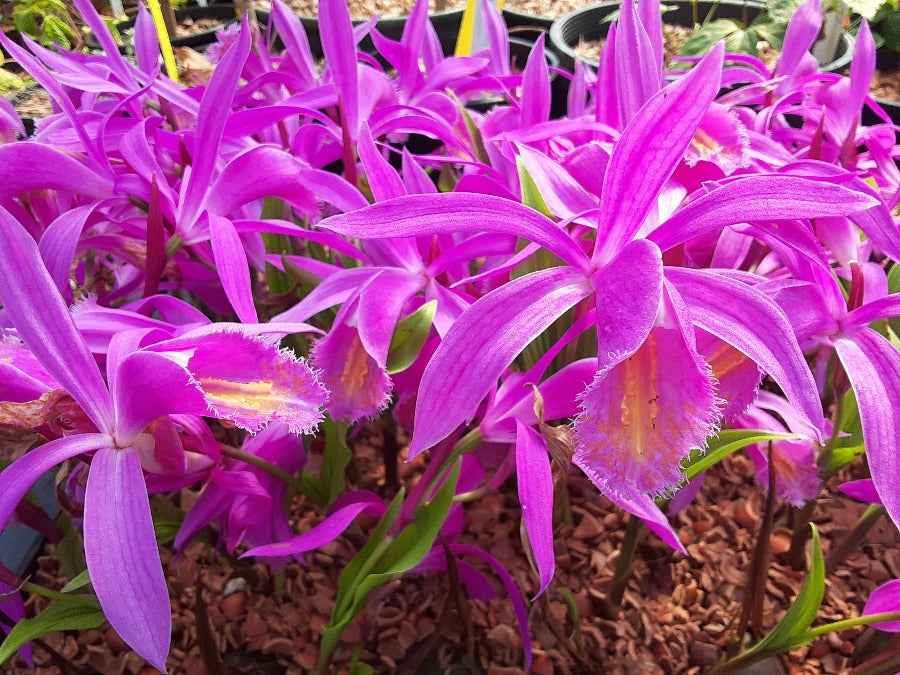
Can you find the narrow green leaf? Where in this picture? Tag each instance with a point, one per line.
(70, 550)
(531, 195)
(76, 613)
(335, 458)
(167, 519)
(728, 441)
(81, 580)
(850, 423)
(842, 456)
(788, 633)
(409, 336)
(411, 545)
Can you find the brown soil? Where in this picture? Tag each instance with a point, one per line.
(189, 26)
(886, 85)
(365, 9)
(547, 8)
(674, 38)
(678, 613)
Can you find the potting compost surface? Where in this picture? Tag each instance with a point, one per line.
(678, 612)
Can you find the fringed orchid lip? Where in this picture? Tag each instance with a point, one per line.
(644, 415)
(360, 385)
(247, 380)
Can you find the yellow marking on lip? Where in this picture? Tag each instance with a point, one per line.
(356, 367)
(639, 406)
(705, 143)
(257, 396)
(725, 360)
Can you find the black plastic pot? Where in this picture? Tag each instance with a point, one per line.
(519, 50)
(886, 60)
(446, 24)
(588, 24)
(527, 26)
(224, 13)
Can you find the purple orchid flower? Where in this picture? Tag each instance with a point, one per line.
(645, 314)
(209, 371)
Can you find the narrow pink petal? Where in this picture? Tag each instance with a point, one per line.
(380, 304)
(737, 375)
(762, 198)
(425, 215)
(642, 417)
(629, 291)
(339, 46)
(146, 42)
(215, 107)
(748, 320)
(383, 179)
(536, 86)
(802, 31)
(247, 380)
(515, 595)
(885, 598)
(645, 508)
(34, 166)
(19, 476)
(59, 241)
(536, 497)
(36, 309)
(649, 149)
(564, 196)
(638, 67)
(873, 366)
(323, 533)
(14, 608)
(231, 263)
(122, 557)
(150, 386)
(863, 490)
(482, 343)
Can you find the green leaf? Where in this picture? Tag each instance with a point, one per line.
(841, 457)
(167, 519)
(707, 35)
(789, 632)
(278, 281)
(893, 279)
(79, 581)
(765, 28)
(782, 10)
(531, 196)
(728, 441)
(411, 545)
(78, 612)
(335, 458)
(70, 550)
(850, 423)
(409, 336)
(57, 31)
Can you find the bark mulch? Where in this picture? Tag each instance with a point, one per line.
(678, 612)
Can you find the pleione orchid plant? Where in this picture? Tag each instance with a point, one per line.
(215, 289)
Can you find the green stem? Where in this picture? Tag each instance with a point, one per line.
(815, 632)
(462, 446)
(633, 532)
(295, 484)
(854, 537)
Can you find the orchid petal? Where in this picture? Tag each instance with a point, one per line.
(535, 103)
(720, 306)
(629, 291)
(16, 480)
(424, 215)
(231, 263)
(645, 508)
(34, 166)
(536, 497)
(654, 140)
(760, 198)
(42, 320)
(339, 46)
(122, 556)
(641, 417)
(247, 380)
(863, 490)
(873, 366)
(482, 343)
(323, 533)
(885, 598)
